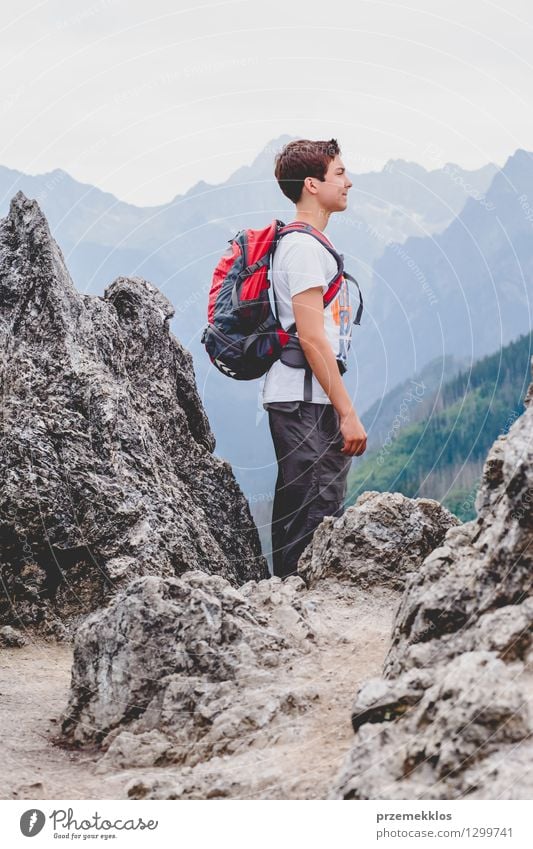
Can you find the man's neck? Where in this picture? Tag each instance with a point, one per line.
(318, 218)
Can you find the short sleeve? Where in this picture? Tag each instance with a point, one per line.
(304, 263)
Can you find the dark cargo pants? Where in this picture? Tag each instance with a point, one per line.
(312, 476)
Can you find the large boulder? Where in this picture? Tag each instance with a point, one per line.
(107, 455)
(451, 716)
(181, 670)
(379, 540)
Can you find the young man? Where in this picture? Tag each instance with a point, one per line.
(315, 439)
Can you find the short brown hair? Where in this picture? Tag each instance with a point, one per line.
(300, 159)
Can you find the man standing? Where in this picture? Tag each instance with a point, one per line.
(314, 439)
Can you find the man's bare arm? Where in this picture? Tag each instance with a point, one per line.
(309, 317)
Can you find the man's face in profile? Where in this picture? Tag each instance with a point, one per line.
(333, 192)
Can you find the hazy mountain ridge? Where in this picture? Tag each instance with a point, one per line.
(465, 291)
(177, 245)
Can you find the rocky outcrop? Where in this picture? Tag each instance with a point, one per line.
(379, 540)
(180, 670)
(106, 457)
(190, 688)
(181, 674)
(452, 715)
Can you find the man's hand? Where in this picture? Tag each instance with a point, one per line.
(354, 434)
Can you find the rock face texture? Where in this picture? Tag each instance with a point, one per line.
(191, 688)
(112, 502)
(452, 715)
(106, 455)
(180, 670)
(379, 540)
(190, 670)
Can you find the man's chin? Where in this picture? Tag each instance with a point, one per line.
(341, 207)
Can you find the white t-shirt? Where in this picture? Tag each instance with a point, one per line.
(300, 262)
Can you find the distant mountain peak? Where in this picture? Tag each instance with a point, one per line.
(404, 164)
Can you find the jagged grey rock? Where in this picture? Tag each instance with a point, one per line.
(452, 715)
(284, 604)
(179, 670)
(426, 747)
(106, 453)
(10, 638)
(378, 540)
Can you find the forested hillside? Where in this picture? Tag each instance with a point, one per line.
(441, 455)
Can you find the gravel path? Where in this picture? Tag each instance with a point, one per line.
(300, 763)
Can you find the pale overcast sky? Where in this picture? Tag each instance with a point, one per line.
(143, 99)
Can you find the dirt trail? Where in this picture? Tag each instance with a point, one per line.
(301, 761)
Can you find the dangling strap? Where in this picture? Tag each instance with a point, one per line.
(292, 355)
(357, 319)
(308, 384)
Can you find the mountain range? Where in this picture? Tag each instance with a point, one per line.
(443, 257)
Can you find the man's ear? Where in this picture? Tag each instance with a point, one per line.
(308, 183)
(308, 308)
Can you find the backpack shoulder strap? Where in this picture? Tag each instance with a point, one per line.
(357, 319)
(304, 227)
(335, 283)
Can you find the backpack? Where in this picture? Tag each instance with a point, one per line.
(243, 336)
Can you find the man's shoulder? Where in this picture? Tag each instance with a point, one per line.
(300, 238)
(302, 243)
